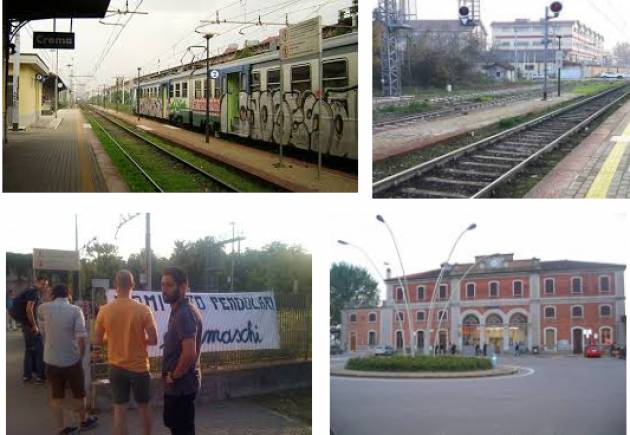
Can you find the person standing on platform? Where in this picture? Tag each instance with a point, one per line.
(24, 309)
(182, 351)
(62, 326)
(127, 327)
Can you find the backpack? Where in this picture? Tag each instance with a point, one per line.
(18, 309)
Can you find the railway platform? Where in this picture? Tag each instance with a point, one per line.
(294, 175)
(597, 168)
(58, 155)
(414, 136)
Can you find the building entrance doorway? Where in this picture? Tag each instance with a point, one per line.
(495, 338)
(550, 339)
(577, 340)
(353, 342)
(420, 341)
(399, 340)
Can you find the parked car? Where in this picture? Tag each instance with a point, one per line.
(335, 349)
(612, 75)
(383, 351)
(593, 351)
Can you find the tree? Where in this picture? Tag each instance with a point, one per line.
(350, 286)
(622, 53)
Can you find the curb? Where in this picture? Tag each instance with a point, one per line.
(500, 371)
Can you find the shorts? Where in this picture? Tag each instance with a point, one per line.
(59, 376)
(122, 381)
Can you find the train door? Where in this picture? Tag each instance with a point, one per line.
(164, 99)
(233, 90)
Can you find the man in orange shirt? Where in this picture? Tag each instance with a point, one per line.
(127, 327)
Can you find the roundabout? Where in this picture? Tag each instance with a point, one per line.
(546, 395)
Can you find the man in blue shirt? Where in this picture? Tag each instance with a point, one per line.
(182, 351)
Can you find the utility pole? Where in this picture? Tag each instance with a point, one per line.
(148, 250)
(138, 95)
(116, 96)
(232, 274)
(16, 83)
(556, 7)
(208, 36)
(516, 50)
(559, 60)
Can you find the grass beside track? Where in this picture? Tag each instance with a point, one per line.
(135, 181)
(231, 176)
(421, 363)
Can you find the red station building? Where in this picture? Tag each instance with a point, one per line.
(549, 306)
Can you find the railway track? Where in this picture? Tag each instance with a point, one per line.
(477, 170)
(161, 169)
(457, 109)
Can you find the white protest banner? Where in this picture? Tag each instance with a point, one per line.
(231, 321)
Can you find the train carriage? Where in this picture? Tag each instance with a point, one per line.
(264, 98)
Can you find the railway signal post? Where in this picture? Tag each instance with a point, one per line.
(555, 7)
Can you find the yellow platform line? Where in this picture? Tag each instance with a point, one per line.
(603, 180)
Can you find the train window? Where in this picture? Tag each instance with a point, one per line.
(273, 80)
(177, 90)
(335, 74)
(255, 85)
(301, 78)
(185, 90)
(170, 91)
(197, 89)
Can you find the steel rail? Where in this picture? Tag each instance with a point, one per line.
(131, 159)
(393, 181)
(169, 153)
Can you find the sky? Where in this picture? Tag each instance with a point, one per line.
(611, 18)
(56, 230)
(165, 33)
(426, 230)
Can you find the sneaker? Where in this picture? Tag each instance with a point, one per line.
(26, 379)
(89, 423)
(39, 381)
(68, 430)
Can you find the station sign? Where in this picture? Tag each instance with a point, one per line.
(301, 39)
(52, 259)
(214, 74)
(59, 40)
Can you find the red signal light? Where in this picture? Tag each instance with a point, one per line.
(556, 7)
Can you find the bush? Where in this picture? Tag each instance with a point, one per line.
(510, 122)
(423, 363)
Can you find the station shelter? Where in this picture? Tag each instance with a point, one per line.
(32, 74)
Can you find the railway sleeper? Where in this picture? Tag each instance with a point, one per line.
(484, 165)
(423, 193)
(456, 182)
(496, 158)
(468, 172)
(513, 152)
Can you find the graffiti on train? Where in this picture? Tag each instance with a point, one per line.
(293, 118)
(151, 107)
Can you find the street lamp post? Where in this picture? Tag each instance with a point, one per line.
(207, 36)
(365, 254)
(560, 60)
(556, 7)
(412, 335)
(436, 289)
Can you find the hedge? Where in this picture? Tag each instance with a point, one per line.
(422, 363)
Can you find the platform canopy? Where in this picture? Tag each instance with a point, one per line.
(41, 10)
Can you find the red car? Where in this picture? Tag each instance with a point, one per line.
(593, 352)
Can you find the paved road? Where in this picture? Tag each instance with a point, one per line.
(28, 412)
(565, 395)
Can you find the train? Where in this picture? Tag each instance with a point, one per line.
(258, 95)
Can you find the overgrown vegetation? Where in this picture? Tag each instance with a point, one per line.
(415, 106)
(422, 363)
(511, 122)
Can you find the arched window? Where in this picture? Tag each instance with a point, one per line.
(420, 292)
(604, 283)
(372, 317)
(441, 314)
(518, 319)
(372, 338)
(353, 317)
(443, 291)
(494, 319)
(605, 311)
(399, 295)
(471, 320)
(605, 335)
(550, 312)
(419, 316)
(517, 288)
(470, 290)
(576, 284)
(549, 286)
(470, 330)
(494, 289)
(400, 316)
(577, 312)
